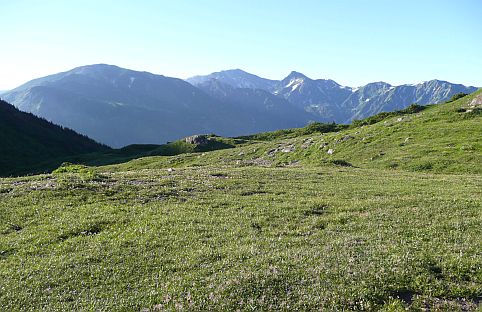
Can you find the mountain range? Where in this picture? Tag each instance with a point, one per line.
(330, 101)
(118, 106)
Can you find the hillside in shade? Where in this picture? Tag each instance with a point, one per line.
(27, 141)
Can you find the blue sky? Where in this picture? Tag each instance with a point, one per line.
(351, 41)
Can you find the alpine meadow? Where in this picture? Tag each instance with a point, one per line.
(127, 190)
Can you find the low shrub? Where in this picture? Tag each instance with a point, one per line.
(314, 127)
(411, 109)
(457, 96)
(69, 172)
(341, 162)
(474, 113)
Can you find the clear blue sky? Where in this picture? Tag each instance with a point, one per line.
(351, 41)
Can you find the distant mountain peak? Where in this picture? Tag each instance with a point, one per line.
(293, 81)
(236, 70)
(236, 78)
(379, 83)
(95, 68)
(296, 75)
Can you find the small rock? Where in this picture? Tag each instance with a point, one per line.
(170, 170)
(241, 153)
(272, 152)
(307, 143)
(330, 151)
(293, 163)
(476, 101)
(288, 149)
(323, 145)
(343, 139)
(258, 162)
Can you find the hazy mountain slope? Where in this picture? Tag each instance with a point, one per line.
(333, 102)
(236, 78)
(320, 97)
(118, 107)
(26, 141)
(329, 101)
(267, 109)
(382, 97)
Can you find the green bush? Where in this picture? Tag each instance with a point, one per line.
(314, 127)
(319, 127)
(474, 113)
(71, 172)
(412, 109)
(341, 162)
(457, 96)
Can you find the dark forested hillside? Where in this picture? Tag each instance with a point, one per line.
(26, 141)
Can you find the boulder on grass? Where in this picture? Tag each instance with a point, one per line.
(198, 139)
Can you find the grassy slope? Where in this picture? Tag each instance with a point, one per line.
(30, 162)
(439, 139)
(426, 141)
(239, 229)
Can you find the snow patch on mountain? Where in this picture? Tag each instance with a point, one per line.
(295, 83)
(131, 81)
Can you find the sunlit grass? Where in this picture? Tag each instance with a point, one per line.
(241, 238)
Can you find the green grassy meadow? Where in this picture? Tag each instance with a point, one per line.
(273, 223)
